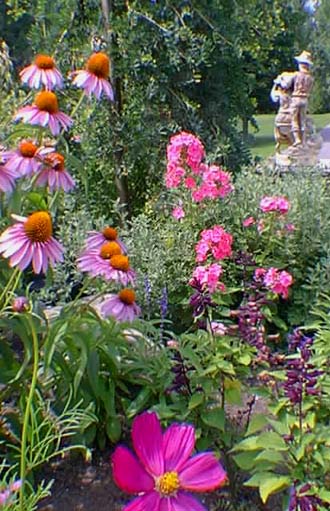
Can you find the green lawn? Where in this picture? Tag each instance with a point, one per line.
(263, 140)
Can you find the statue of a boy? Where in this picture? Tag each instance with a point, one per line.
(302, 86)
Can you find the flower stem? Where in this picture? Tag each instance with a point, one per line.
(28, 411)
(7, 292)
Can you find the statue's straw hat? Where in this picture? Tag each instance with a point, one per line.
(305, 58)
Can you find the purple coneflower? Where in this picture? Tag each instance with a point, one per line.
(96, 239)
(42, 72)
(54, 173)
(24, 161)
(7, 179)
(95, 261)
(121, 270)
(45, 112)
(30, 239)
(95, 78)
(121, 306)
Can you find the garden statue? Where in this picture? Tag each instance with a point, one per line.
(292, 126)
(302, 86)
(281, 93)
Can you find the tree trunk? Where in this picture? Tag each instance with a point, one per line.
(245, 129)
(121, 181)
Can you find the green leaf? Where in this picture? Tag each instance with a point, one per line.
(113, 429)
(196, 400)
(257, 423)
(272, 484)
(245, 460)
(273, 457)
(139, 402)
(272, 440)
(214, 418)
(249, 444)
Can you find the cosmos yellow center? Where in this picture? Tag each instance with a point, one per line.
(44, 62)
(56, 161)
(110, 233)
(27, 149)
(110, 249)
(38, 227)
(168, 484)
(99, 65)
(127, 296)
(120, 262)
(47, 101)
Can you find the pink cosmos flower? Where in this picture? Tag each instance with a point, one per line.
(42, 72)
(178, 213)
(215, 240)
(121, 306)
(248, 221)
(7, 493)
(278, 204)
(54, 173)
(7, 179)
(96, 239)
(24, 161)
(30, 239)
(95, 78)
(45, 112)
(164, 472)
(208, 277)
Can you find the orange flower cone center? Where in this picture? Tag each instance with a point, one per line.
(110, 233)
(38, 227)
(47, 101)
(99, 65)
(127, 296)
(56, 161)
(44, 62)
(119, 262)
(27, 149)
(110, 249)
(168, 484)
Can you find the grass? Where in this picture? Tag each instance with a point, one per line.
(262, 144)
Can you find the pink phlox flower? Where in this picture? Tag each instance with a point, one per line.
(215, 240)
(186, 149)
(42, 72)
(218, 328)
(121, 306)
(53, 173)
(7, 179)
(278, 204)
(290, 227)
(31, 240)
(174, 175)
(8, 492)
(208, 277)
(247, 222)
(275, 280)
(163, 472)
(190, 183)
(260, 226)
(178, 213)
(45, 112)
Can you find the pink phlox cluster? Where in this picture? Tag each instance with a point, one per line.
(208, 277)
(185, 149)
(278, 204)
(215, 183)
(178, 213)
(274, 279)
(215, 241)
